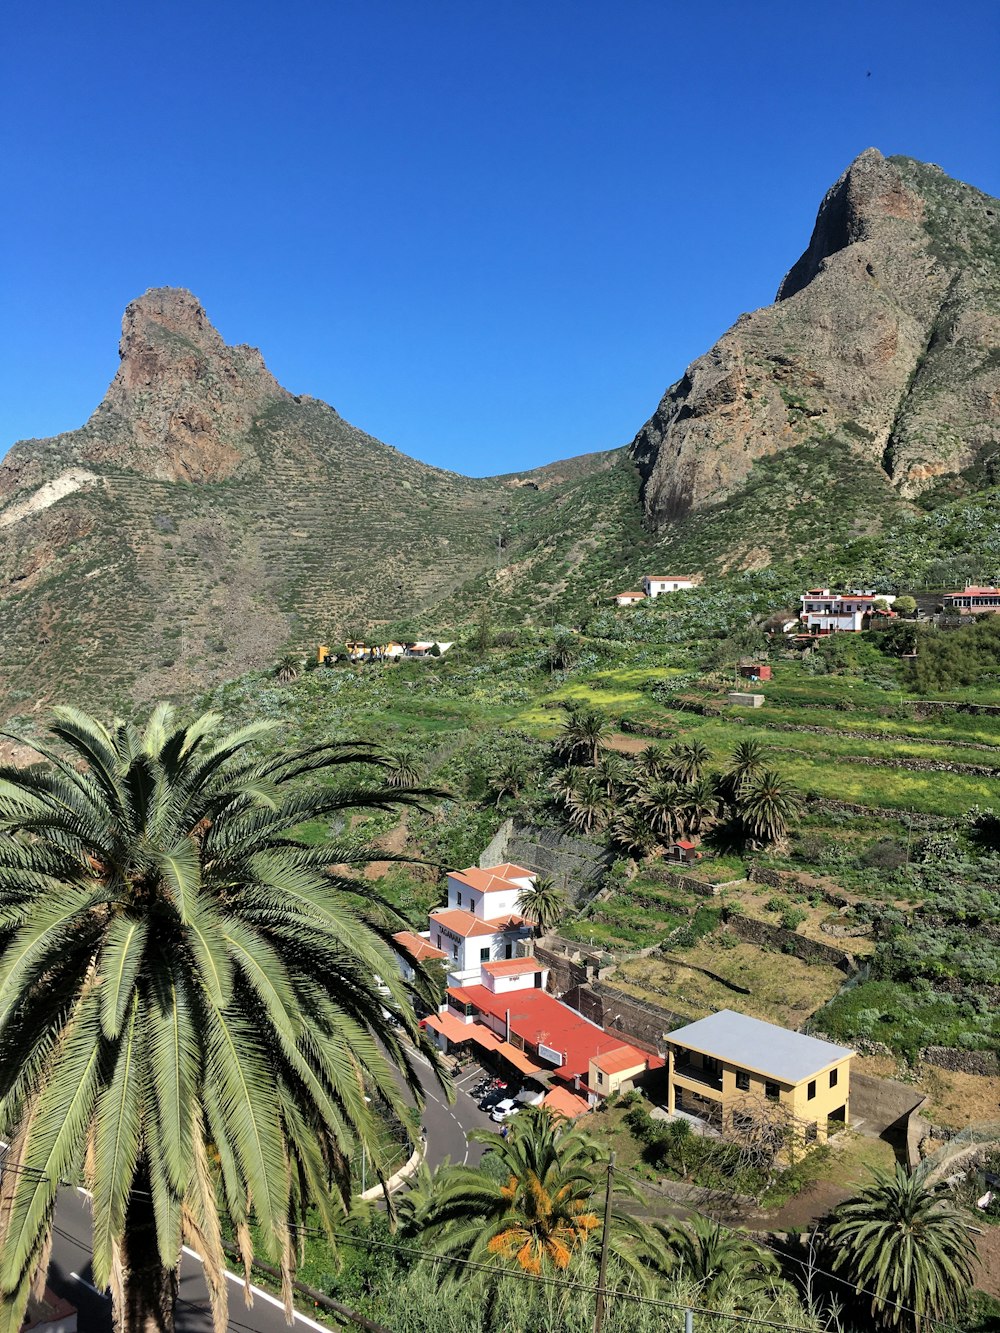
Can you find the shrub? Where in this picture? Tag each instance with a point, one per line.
(793, 918)
(886, 854)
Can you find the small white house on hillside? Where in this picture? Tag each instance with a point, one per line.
(654, 584)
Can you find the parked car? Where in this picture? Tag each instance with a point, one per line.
(503, 1109)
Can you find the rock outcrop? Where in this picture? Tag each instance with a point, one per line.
(884, 334)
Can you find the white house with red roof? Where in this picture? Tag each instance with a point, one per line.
(654, 584)
(629, 598)
(497, 998)
(826, 612)
(481, 922)
(973, 597)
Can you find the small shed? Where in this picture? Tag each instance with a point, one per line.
(754, 671)
(682, 850)
(745, 700)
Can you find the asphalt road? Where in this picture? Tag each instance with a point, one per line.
(71, 1274)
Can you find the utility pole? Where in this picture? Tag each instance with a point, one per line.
(605, 1240)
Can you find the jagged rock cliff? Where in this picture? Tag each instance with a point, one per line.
(885, 334)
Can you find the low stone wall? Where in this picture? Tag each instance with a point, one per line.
(575, 864)
(915, 818)
(947, 706)
(986, 1063)
(788, 941)
(896, 737)
(663, 875)
(794, 882)
(566, 969)
(632, 1019)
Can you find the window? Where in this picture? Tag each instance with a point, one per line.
(811, 1133)
(600, 1079)
(509, 951)
(811, 1090)
(458, 899)
(742, 1080)
(834, 1073)
(771, 1091)
(484, 955)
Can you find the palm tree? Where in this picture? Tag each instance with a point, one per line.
(288, 669)
(746, 764)
(588, 806)
(564, 782)
(687, 762)
(544, 903)
(652, 763)
(545, 1212)
(661, 803)
(616, 773)
(632, 832)
(193, 1009)
(911, 1249)
(765, 805)
(508, 778)
(720, 1261)
(401, 768)
(699, 804)
(583, 735)
(563, 652)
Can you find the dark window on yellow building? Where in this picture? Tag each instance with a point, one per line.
(833, 1077)
(811, 1090)
(742, 1080)
(600, 1079)
(811, 1133)
(771, 1091)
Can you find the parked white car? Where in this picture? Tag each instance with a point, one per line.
(503, 1109)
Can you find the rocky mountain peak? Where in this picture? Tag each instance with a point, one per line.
(870, 191)
(182, 401)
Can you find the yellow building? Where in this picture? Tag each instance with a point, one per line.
(730, 1061)
(615, 1069)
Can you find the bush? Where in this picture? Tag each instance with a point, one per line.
(886, 854)
(793, 918)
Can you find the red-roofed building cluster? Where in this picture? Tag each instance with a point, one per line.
(497, 997)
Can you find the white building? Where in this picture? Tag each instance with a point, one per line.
(629, 598)
(826, 612)
(654, 584)
(481, 922)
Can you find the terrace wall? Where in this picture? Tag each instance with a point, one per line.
(689, 882)
(631, 1019)
(567, 966)
(986, 1063)
(777, 937)
(575, 864)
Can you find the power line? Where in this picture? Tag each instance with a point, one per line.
(802, 1263)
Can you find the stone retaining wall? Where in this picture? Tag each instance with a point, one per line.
(915, 818)
(947, 706)
(630, 1018)
(965, 1062)
(777, 937)
(816, 730)
(661, 875)
(575, 864)
(566, 969)
(910, 765)
(795, 882)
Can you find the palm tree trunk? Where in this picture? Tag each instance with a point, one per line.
(150, 1289)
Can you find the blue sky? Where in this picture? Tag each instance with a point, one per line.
(490, 234)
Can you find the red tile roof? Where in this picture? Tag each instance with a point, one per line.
(513, 967)
(669, 578)
(564, 1102)
(536, 1016)
(417, 947)
(510, 871)
(688, 846)
(622, 1057)
(975, 592)
(463, 923)
(449, 1026)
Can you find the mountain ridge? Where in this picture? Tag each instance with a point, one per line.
(204, 517)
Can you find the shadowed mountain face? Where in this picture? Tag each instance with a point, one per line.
(204, 518)
(884, 335)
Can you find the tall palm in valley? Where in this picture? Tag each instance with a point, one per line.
(588, 806)
(583, 735)
(747, 763)
(687, 761)
(699, 804)
(662, 804)
(766, 805)
(910, 1248)
(544, 903)
(632, 832)
(547, 1211)
(194, 1011)
(288, 669)
(721, 1261)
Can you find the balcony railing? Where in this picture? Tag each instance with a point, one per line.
(698, 1075)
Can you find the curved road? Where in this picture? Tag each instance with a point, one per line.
(70, 1272)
